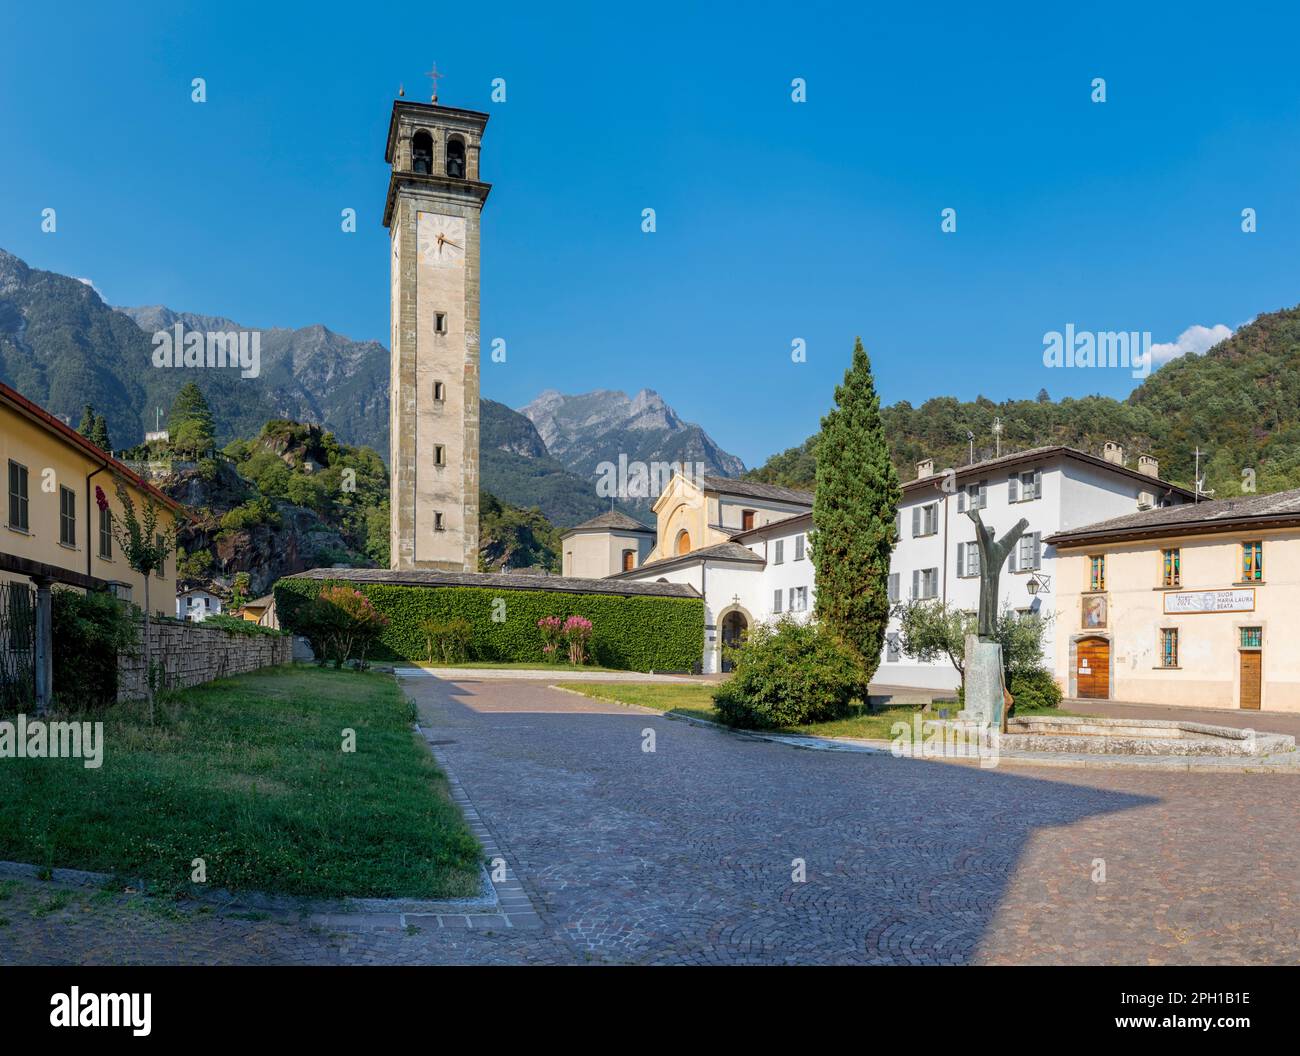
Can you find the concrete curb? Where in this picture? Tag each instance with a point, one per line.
(1288, 763)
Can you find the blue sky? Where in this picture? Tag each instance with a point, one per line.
(776, 220)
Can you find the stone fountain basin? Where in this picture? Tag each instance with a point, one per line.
(1044, 733)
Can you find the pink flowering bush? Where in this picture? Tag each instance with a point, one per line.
(577, 633)
(559, 635)
(552, 628)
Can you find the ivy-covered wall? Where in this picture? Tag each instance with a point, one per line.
(632, 633)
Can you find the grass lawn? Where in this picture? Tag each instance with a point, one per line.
(248, 774)
(697, 701)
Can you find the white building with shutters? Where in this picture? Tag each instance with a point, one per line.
(1055, 489)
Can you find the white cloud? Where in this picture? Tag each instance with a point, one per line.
(91, 284)
(1195, 339)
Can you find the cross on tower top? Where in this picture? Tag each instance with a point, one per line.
(435, 76)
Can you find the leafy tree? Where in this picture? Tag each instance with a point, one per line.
(99, 434)
(190, 423)
(854, 512)
(239, 591)
(932, 631)
(145, 549)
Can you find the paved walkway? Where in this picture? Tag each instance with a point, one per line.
(716, 848)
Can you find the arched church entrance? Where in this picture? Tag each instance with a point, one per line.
(735, 626)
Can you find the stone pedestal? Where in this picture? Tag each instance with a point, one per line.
(984, 686)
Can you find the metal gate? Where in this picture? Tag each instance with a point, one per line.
(17, 647)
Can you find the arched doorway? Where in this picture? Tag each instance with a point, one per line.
(734, 629)
(683, 542)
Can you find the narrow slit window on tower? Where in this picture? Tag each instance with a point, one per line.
(422, 153)
(438, 524)
(439, 391)
(439, 322)
(456, 158)
(439, 455)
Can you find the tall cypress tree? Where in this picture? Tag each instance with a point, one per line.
(87, 425)
(854, 515)
(99, 434)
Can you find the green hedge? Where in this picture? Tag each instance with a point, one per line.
(631, 633)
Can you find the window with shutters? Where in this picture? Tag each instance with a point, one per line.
(776, 600)
(67, 516)
(925, 519)
(1028, 556)
(778, 552)
(798, 599)
(106, 534)
(893, 586)
(1171, 567)
(1024, 487)
(798, 547)
(18, 518)
(746, 520)
(925, 583)
(968, 559)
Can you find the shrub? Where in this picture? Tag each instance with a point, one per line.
(236, 625)
(552, 628)
(448, 640)
(1034, 689)
(788, 674)
(341, 625)
(89, 631)
(636, 633)
(577, 633)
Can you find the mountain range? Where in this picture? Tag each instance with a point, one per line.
(63, 346)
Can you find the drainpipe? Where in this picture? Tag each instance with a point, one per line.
(944, 591)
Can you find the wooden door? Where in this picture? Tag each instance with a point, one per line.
(1252, 665)
(1092, 668)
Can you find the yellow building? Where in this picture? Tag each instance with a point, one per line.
(1191, 605)
(53, 526)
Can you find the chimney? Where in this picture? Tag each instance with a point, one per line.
(1149, 464)
(1113, 452)
(925, 468)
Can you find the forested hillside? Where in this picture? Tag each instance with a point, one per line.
(1239, 404)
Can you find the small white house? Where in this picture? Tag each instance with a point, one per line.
(196, 605)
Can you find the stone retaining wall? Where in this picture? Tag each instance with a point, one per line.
(192, 653)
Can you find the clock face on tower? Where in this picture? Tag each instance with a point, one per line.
(442, 240)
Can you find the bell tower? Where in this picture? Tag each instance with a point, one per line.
(432, 212)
